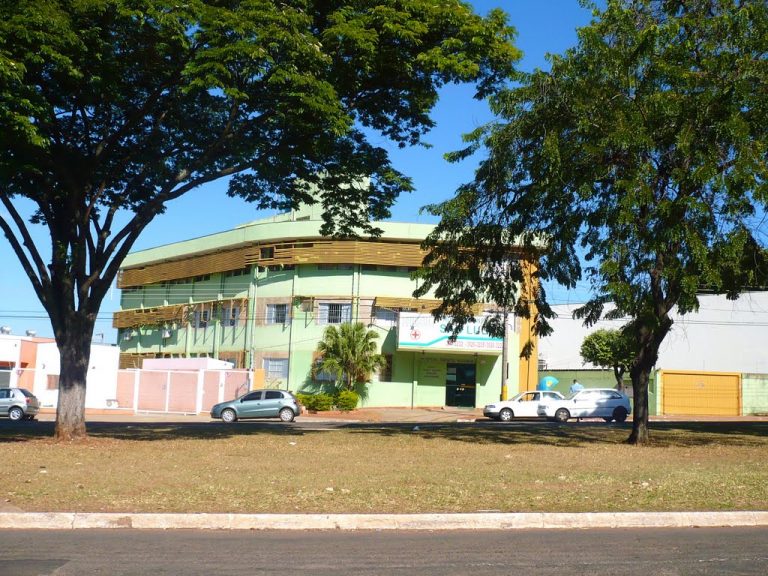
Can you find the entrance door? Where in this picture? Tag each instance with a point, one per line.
(460, 384)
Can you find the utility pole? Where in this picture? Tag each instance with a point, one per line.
(504, 359)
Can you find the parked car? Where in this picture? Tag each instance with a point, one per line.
(18, 404)
(605, 403)
(259, 404)
(523, 405)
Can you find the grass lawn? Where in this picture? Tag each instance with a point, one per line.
(246, 469)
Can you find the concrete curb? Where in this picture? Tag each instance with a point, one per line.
(472, 521)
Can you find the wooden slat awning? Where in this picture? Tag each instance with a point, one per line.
(407, 254)
(178, 313)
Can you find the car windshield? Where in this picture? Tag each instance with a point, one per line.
(571, 396)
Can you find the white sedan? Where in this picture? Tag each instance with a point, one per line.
(523, 405)
(605, 403)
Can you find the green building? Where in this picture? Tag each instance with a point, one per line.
(261, 295)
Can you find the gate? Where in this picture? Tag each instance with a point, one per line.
(700, 393)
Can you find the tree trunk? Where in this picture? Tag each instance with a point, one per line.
(75, 354)
(618, 373)
(640, 432)
(648, 354)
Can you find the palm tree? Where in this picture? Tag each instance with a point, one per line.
(349, 352)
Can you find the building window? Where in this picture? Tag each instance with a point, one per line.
(319, 375)
(202, 317)
(230, 315)
(280, 267)
(267, 253)
(335, 267)
(241, 272)
(276, 368)
(335, 313)
(277, 313)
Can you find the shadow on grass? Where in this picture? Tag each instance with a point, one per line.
(663, 434)
(678, 434)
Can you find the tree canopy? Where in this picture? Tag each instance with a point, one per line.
(613, 349)
(111, 107)
(638, 161)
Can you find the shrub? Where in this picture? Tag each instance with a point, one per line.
(319, 402)
(323, 402)
(306, 400)
(346, 400)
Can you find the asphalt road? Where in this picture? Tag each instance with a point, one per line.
(644, 552)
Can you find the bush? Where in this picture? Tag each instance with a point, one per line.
(319, 402)
(347, 400)
(305, 400)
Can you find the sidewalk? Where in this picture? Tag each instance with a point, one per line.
(432, 522)
(421, 415)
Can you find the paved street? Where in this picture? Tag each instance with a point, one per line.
(384, 419)
(641, 552)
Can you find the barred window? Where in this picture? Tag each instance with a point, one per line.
(335, 313)
(276, 368)
(277, 313)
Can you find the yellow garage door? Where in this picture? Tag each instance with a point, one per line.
(702, 393)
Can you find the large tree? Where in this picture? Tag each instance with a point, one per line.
(639, 160)
(116, 107)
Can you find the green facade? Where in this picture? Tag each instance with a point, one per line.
(416, 378)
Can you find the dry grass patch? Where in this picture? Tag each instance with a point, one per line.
(451, 469)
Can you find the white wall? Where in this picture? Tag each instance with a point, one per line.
(101, 379)
(10, 346)
(723, 336)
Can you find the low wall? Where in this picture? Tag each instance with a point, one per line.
(179, 391)
(600, 379)
(754, 394)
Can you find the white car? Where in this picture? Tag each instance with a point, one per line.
(523, 405)
(605, 403)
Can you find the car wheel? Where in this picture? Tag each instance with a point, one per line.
(229, 415)
(16, 413)
(286, 415)
(562, 415)
(506, 415)
(620, 414)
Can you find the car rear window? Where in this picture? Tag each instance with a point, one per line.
(26, 393)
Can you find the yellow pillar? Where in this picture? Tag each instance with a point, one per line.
(529, 367)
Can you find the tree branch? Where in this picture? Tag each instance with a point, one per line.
(42, 281)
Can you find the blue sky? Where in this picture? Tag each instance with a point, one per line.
(543, 26)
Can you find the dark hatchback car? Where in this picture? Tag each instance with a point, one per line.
(259, 404)
(18, 404)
